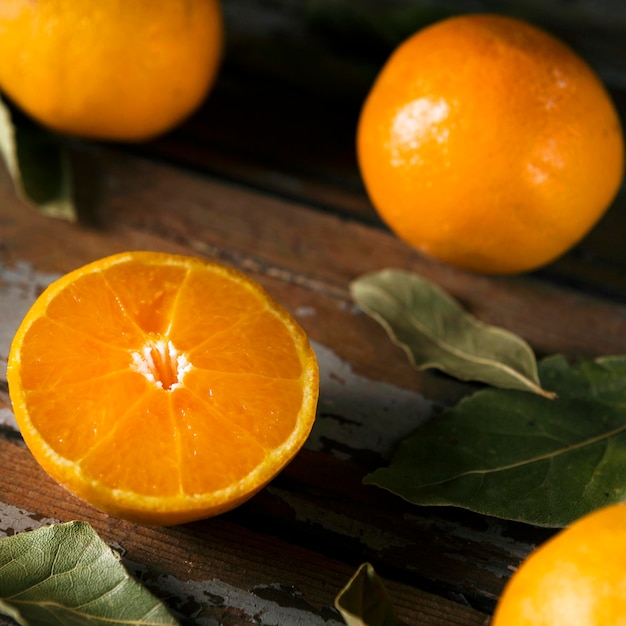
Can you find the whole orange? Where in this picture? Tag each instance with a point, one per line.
(577, 578)
(489, 144)
(109, 69)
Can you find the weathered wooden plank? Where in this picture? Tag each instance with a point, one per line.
(317, 515)
(268, 235)
(319, 168)
(34, 252)
(321, 502)
(283, 556)
(215, 569)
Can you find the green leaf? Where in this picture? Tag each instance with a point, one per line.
(520, 456)
(364, 601)
(435, 332)
(38, 165)
(66, 575)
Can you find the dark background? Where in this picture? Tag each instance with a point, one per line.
(283, 112)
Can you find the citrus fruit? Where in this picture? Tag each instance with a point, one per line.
(577, 578)
(489, 144)
(113, 70)
(161, 388)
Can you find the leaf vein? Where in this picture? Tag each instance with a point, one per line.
(547, 456)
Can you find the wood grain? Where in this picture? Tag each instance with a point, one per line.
(294, 545)
(264, 178)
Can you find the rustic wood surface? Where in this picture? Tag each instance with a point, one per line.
(292, 547)
(264, 178)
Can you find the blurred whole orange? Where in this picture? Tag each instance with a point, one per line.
(489, 144)
(109, 69)
(577, 578)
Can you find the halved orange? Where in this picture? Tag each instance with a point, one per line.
(161, 388)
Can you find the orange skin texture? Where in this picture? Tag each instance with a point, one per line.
(578, 578)
(489, 144)
(116, 70)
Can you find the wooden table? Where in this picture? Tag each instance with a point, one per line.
(285, 205)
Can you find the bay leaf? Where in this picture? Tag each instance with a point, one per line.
(520, 456)
(435, 332)
(66, 575)
(364, 600)
(38, 165)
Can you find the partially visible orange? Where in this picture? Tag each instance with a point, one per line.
(109, 69)
(577, 578)
(161, 388)
(489, 144)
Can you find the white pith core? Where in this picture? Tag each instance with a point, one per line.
(161, 363)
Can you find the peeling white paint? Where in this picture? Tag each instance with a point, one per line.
(260, 610)
(7, 419)
(496, 532)
(203, 601)
(14, 520)
(360, 413)
(305, 311)
(20, 286)
(195, 599)
(493, 534)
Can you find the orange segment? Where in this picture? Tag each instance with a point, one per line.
(267, 424)
(57, 355)
(227, 351)
(220, 436)
(226, 346)
(87, 299)
(147, 433)
(146, 293)
(161, 388)
(73, 418)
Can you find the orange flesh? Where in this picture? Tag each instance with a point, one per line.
(144, 377)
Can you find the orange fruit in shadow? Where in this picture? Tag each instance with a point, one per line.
(161, 388)
(113, 70)
(576, 578)
(488, 144)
